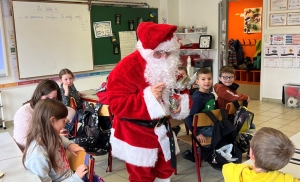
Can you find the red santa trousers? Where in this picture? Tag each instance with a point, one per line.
(161, 170)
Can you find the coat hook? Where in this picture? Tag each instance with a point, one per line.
(243, 41)
(249, 41)
(254, 41)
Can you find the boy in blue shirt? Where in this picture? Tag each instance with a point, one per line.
(203, 99)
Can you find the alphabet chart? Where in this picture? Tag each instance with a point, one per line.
(128, 42)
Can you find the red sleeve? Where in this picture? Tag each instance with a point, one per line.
(227, 94)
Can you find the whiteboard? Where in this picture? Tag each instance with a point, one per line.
(51, 36)
(3, 53)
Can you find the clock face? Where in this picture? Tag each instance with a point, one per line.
(205, 42)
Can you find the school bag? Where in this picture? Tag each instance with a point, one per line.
(224, 134)
(242, 122)
(90, 135)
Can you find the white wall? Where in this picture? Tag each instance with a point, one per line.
(202, 13)
(272, 79)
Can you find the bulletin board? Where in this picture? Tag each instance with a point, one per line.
(51, 36)
(121, 19)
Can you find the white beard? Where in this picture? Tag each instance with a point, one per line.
(160, 70)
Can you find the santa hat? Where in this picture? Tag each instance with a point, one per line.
(156, 36)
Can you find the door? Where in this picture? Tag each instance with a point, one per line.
(222, 41)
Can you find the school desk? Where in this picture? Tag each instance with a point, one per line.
(90, 96)
(290, 168)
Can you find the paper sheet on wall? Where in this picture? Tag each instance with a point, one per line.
(127, 42)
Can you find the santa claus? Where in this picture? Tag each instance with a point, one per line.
(139, 89)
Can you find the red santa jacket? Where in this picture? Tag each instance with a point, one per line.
(130, 97)
(226, 95)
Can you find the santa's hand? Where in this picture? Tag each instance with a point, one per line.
(158, 89)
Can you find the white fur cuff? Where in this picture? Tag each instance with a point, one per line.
(154, 108)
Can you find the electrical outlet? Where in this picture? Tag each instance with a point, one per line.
(266, 38)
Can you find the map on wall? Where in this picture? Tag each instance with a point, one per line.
(252, 20)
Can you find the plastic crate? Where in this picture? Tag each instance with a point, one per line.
(291, 95)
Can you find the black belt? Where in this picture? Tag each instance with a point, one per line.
(153, 124)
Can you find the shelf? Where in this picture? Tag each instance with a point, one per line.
(253, 77)
(197, 49)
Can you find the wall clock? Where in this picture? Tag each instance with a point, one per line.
(205, 41)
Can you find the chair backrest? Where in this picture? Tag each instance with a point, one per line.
(103, 111)
(76, 161)
(203, 120)
(73, 103)
(230, 107)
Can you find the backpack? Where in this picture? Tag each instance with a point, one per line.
(242, 121)
(90, 136)
(224, 134)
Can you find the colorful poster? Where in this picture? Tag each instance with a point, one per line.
(292, 39)
(252, 20)
(277, 39)
(288, 51)
(271, 51)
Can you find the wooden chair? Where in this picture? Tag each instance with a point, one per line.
(200, 120)
(76, 161)
(231, 108)
(74, 106)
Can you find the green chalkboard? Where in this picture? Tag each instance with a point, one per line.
(103, 48)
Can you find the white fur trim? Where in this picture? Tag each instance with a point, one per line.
(169, 45)
(155, 109)
(166, 102)
(185, 109)
(138, 156)
(163, 140)
(162, 180)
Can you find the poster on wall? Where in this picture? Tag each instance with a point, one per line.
(277, 39)
(278, 19)
(293, 4)
(252, 20)
(288, 51)
(278, 5)
(292, 39)
(271, 51)
(272, 62)
(293, 19)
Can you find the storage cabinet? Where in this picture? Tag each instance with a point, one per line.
(252, 77)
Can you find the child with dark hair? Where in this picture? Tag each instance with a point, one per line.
(270, 151)
(203, 99)
(44, 153)
(226, 89)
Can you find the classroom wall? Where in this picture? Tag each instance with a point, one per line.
(236, 24)
(272, 79)
(202, 13)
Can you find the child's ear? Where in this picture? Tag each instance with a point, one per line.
(251, 155)
(60, 80)
(52, 120)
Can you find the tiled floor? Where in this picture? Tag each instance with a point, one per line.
(266, 115)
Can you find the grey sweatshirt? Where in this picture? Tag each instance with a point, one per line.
(37, 161)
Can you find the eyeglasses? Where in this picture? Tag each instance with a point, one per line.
(160, 53)
(227, 77)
